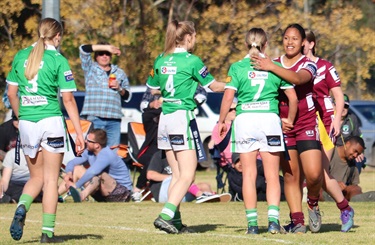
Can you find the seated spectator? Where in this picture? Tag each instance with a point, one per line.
(106, 179)
(8, 137)
(160, 175)
(14, 178)
(343, 169)
(235, 180)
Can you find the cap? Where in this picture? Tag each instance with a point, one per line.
(235, 157)
(346, 100)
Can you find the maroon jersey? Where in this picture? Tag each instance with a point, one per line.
(326, 79)
(306, 117)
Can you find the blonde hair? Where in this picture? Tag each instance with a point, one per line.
(176, 32)
(256, 39)
(48, 28)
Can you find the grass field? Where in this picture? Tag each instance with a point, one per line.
(214, 223)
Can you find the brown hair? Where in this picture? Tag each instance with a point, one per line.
(256, 39)
(100, 136)
(176, 32)
(310, 37)
(48, 28)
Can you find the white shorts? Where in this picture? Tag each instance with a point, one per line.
(258, 131)
(174, 131)
(48, 133)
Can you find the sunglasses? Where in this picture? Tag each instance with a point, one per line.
(346, 106)
(101, 53)
(91, 141)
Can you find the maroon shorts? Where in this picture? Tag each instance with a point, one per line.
(307, 133)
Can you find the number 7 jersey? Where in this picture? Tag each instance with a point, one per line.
(177, 76)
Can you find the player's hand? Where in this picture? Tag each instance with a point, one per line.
(114, 50)
(342, 185)
(80, 145)
(261, 63)
(222, 128)
(286, 125)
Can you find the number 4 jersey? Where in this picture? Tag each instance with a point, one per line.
(38, 97)
(177, 76)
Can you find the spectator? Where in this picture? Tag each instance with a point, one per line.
(8, 137)
(107, 172)
(39, 73)
(160, 175)
(14, 178)
(350, 127)
(151, 108)
(102, 104)
(235, 180)
(343, 168)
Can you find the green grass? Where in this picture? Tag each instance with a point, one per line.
(215, 223)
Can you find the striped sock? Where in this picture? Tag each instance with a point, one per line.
(26, 200)
(252, 217)
(273, 213)
(48, 224)
(168, 211)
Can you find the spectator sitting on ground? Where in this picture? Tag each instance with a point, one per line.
(14, 178)
(343, 169)
(107, 179)
(8, 137)
(235, 180)
(160, 175)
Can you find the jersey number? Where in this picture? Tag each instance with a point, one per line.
(34, 85)
(260, 88)
(169, 86)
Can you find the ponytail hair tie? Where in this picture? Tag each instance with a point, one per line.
(42, 37)
(254, 45)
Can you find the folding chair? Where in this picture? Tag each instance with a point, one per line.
(136, 137)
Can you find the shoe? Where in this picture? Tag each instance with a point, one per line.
(53, 239)
(364, 197)
(136, 196)
(208, 197)
(296, 229)
(16, 228)
(347, 220)
(315, 219)
(165, 225)
(225, 197)
(273, 227)
(252, 230)
(75, 194)
(5, 199)
(185, 230)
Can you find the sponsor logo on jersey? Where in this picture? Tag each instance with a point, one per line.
(228, 79)
(261, 105)
(245, 141)
(165, 139)
(168, 70)
(257, 75)
(55, 142)
(68, 76)
(171, 58)
(152, 73)
(176, 139)
(311, 67)
(33, 100)
(334, 74)
(273, 140)
(345, 128)
(203, 72)
(40, 67)
(30, 146)
(310, 133)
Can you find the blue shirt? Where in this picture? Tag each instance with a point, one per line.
(100, 100)
(106, 161)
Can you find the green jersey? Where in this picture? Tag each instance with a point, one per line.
(38, 97)
(177, 76)
(257, 91)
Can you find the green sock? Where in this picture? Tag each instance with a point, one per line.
(26, 200)
(168, 211)
(252, 217)
(48, 224)
(273, 213)
(177, 222)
